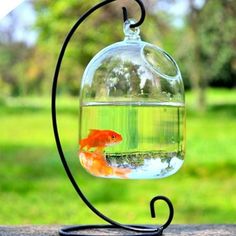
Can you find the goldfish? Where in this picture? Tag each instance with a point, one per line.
(95, 163)
(99, 139)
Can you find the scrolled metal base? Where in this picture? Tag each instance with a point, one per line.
(121, 229)
(92, 230)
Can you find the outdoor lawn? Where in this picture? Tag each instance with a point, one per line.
(34, 188)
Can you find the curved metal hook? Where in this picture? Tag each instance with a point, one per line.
(171, 209)
(125, 14)
(143, 14)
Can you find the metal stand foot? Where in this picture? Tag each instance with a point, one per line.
(121, 229)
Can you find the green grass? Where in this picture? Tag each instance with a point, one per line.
(34, 187)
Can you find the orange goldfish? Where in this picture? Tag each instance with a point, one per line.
(96, 164)
(100, 139)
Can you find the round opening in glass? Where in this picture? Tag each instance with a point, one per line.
(159, 61)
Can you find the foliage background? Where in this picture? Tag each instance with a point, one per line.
(33, 185)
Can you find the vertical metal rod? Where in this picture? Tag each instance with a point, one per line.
(125, 14)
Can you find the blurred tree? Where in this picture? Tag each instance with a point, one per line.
(11, 53)
(217, 37)
(16, 65)
(21, 73)
(208, 44)
(32, 71)
(55, 18)
(204, 46)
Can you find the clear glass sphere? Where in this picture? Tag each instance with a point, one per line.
(132, 111)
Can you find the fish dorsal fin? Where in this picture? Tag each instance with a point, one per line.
(93, 132)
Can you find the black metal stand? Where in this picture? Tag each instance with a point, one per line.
(107, 228)
(143, 230)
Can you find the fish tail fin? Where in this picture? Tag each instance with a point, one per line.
(121, 172)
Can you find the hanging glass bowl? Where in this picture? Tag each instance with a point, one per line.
(132, 111)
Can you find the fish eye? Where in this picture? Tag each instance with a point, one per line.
(113, 136)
